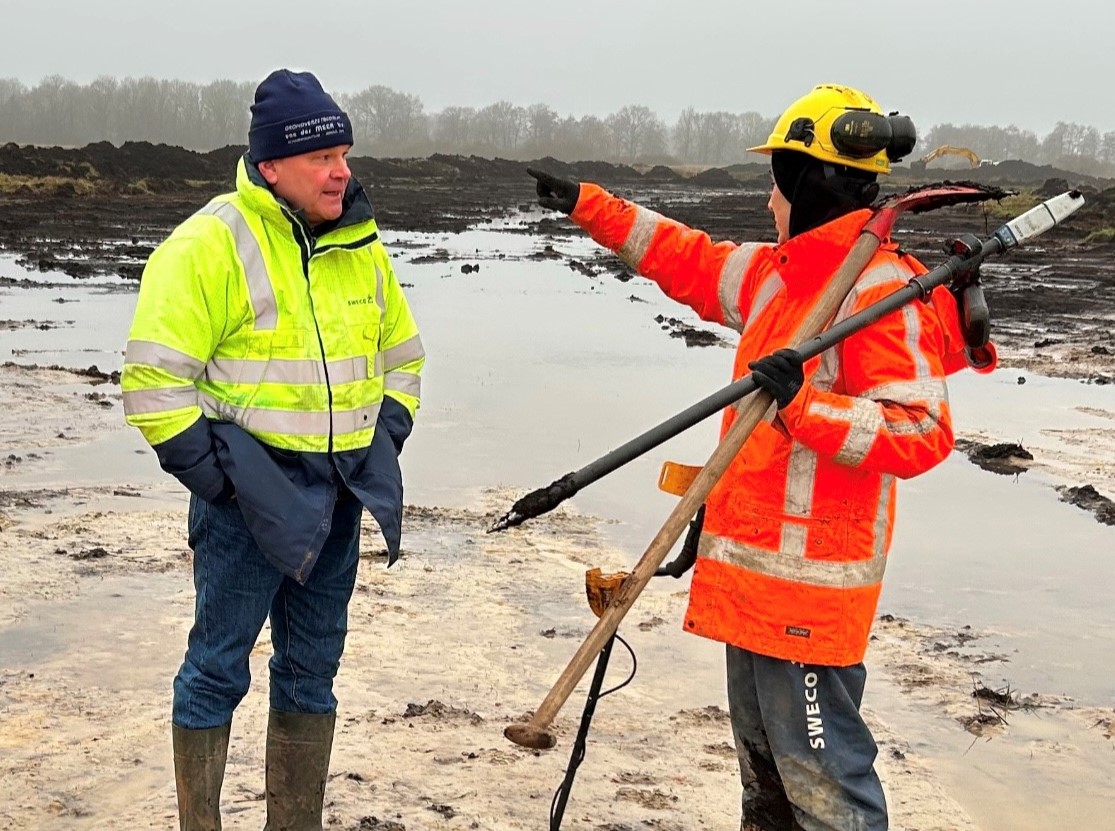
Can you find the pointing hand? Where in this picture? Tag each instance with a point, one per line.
(554, 193)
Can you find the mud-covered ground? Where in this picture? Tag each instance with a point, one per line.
(446, 649)
(469, 632)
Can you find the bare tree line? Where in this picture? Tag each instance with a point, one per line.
(386, 123)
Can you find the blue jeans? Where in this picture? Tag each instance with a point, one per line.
(236, 590)
(807, 760)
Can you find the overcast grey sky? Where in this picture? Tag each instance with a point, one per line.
(981, 61)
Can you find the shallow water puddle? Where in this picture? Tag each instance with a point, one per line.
(111, 653)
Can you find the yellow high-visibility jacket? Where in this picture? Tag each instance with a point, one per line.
(275, 362)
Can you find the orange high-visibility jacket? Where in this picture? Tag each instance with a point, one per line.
(797, 531)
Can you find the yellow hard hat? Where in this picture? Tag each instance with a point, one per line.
(842, 125)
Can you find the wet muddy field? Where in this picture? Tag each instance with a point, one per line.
(101, 210)
(986, 696)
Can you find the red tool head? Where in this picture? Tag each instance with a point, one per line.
(928, 198)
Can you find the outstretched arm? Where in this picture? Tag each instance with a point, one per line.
(685, 263)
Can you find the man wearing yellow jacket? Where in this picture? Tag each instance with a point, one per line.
(273, 365)
(796, 533)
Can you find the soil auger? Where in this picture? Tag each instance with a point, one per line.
(962, 266)
(600, 588)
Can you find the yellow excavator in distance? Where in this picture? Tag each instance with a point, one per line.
(918, 165)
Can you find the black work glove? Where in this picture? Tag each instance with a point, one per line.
(554, 193)
(780, 374)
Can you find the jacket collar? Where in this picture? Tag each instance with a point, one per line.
(839, 233)
(258, 196)
(806, 262)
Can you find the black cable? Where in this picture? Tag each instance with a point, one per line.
(561, 795)
(634, 667)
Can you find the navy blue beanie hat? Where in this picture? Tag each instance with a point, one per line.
(292, 114)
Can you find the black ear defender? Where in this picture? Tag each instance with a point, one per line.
(861, 134)
(903, 136)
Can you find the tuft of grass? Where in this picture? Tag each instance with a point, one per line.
(1101, 235)
(1012, 206)
(138, 187)
(45, 185)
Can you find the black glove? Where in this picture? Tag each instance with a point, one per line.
(687, 557)
(554, 193)
(780, 374)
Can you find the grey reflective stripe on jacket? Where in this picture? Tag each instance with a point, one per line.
(638, 240)
(730, 284)
(866, 419)
(149, 353)
(260, 290)
(291, 422)
(308, 371)
(791, 564)
(164, 399)
(400, 355)
(287, 371)
(403, 353)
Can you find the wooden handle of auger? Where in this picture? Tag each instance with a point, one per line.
(534, 733)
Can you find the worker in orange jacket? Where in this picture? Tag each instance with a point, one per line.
(796, 533)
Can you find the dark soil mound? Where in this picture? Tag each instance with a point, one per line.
(226, 158)
(1102, 204)
(131, 161)
(1018, 172)
(1088, 498)
(715, 177)
(663, 174)
(1006, 458)
(604, 172)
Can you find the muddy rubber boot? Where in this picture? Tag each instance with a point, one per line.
(199, 770)
(298, 748)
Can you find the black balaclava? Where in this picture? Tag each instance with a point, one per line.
(819, 192)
